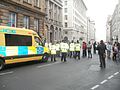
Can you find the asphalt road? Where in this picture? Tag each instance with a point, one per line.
(84, 74)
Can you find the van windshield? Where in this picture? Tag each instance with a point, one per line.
(38, 41)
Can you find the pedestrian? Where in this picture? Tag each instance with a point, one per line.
(89, 47)
(53, 52)
(102, 54)
(94, 47)
(109, 49)
(115, 51)
(57, 49)
(77, 50)
(72, 49)
(64, 50)
(84, 48)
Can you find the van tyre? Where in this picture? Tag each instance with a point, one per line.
(1, 64)
(45, 57)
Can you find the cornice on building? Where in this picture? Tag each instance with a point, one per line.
(21, 5)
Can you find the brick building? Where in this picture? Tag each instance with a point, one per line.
(23, 14)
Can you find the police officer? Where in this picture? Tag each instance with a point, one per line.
(53, 52)
(77, 50)
(58, 49)
(64, 49)
(72, 49)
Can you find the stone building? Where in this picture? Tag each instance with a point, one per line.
(108, 29)
(91, 30)
(74, 20)
(53, 27)
(28, 14)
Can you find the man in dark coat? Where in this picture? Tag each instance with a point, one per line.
(102, 54)
(94, 47)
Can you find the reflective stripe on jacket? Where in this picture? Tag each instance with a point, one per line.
(72, 47)
(53, 49)
(64, 47)
(77, 47)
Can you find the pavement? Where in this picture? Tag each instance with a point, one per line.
(83, 74)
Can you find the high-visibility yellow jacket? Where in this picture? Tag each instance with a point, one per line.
(57, 47)
(72, 47)
(64, 47)
(77, 47)
(53, 49)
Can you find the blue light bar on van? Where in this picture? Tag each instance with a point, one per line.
(8, 31)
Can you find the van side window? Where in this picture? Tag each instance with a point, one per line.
(18, 40)
(38, 41)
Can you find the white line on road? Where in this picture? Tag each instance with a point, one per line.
(47, 65)
(110, 76)
(116, 73)
(104, 81)
(96, 86)
(1, 74)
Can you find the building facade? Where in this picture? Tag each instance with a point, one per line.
(108, 29)
(28, 14)
(74, 20)
(91, 30)
(115, 24)
(53, 27)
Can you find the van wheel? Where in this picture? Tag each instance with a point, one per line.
(45, 57)
(1, 64)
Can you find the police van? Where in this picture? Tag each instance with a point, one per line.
(20, 45)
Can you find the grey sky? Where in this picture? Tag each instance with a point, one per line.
(98, 10)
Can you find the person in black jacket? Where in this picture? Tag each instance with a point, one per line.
(94, 47)
(102, 54)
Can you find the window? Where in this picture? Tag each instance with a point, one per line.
(37, 3)
(18, 40)
(38, 41)
(28, 1)
(36, 25)
(66, 25)
(12, 19)
(26, 22)
(66, 18)
(66, 32)
(65, 2)
(65, 10)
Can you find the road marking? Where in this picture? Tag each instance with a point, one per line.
(96, 86)
(104, 81)
(110, 76)
(1, 74)
(116, 73)
(47, 65)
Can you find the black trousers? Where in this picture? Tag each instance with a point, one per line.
(77, 54)
(71, 54)
(102, 60)
(94, 50)
(53, 56)
(114, 56)
(84, 53)
(89, 54)
(63, 57)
